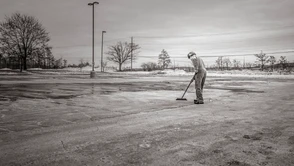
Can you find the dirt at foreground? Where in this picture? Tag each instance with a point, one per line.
(133, 120)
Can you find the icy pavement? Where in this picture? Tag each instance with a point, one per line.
(127, 119)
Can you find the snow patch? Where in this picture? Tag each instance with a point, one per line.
(5, 69)
(230, 73)
(160, 72)
(35, 69)
(174, 72)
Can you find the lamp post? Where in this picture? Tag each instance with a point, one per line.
(92, 75)
(102, 67)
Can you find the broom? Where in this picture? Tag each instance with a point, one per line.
(182, 98)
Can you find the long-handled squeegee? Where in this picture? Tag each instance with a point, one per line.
(182, 98)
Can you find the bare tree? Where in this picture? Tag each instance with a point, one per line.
(164, 59)
(64, 63)
(1, 57)
(219, 62)
(58, 63)
(149, 66)
(122, 53)
(272, 61)
(84, 64)
(227, 62)
(21, 35)
(104, 65)
(283, 61)
(49, 56)
(262, 58)
(236, 63)
(248, 64)
(41, 57)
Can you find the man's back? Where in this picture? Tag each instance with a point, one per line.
(198, 64)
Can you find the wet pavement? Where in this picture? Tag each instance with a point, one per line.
(121, 119)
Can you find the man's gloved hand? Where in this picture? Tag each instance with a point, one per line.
(193, 77)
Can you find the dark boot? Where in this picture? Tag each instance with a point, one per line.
(198, 102)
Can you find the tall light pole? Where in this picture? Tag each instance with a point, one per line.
(132, 54)
(92, 75)
(102, 67)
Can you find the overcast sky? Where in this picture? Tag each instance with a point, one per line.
(208, 27)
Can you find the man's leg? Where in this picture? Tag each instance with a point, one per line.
(203, 82)
(198, 84)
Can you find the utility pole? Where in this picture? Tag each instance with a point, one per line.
(102, 67)
(221, 62)
(244, 62)
(92, 74)
(131, 53)
(174, 64)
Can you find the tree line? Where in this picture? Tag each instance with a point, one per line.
(262, 61)
(282, 63)
(24, 43)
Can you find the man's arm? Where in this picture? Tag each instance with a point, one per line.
(196, 64)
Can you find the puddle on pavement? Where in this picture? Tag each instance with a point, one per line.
(68, 91)
(236, 90)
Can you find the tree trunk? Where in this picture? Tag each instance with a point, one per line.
(24, 63)
(119, 67)
(20, 63)
(5, 63)
(10, 64)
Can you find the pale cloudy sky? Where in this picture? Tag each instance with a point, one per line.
(208, 27)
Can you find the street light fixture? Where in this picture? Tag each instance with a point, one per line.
(102, 67)
(92, 75)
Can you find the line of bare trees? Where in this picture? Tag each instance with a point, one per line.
(24, 44)
(225, 63)
(282, 63)
(262, 61)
